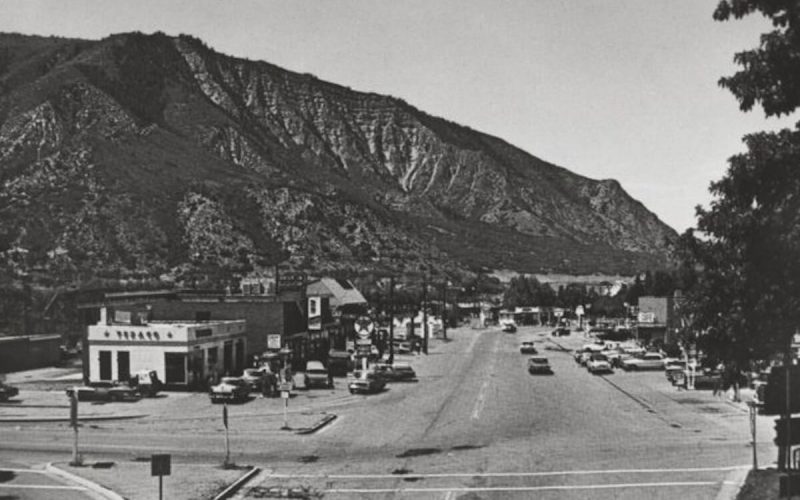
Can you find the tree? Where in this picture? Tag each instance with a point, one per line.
(746, 294)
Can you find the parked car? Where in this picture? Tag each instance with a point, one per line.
(402, 347)
(230, 389)
(146, 383)
(673, 370)
(539, 365)
(317, 375)
(395, 372)
(560, 332)
(7, 391)
(255, 377)
(649, 361)
(366, 382)
(509, 328)
(527, 348)
(104, 390)
(598, 363)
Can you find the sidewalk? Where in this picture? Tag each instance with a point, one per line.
(132, 480)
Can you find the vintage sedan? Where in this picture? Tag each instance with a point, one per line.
(539, 365)
(230, 390)
(649, 361)
(395, 372)
(104, 390)
(599, 363)
(316, 375)
(7, 391)
(366, 382)
(527, 348)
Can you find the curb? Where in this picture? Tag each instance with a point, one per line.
(90, 485)
(319, 425)
(12, 420)
(733, 484)
(234, 487)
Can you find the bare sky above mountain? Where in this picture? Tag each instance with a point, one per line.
(624, 89)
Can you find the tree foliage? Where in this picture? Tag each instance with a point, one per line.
(746, 297)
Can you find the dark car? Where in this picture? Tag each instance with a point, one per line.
(527, 348)
(395, 372)
(104, 390)
(366, 382)
(539, 365)
(7, 392)
(560, 332)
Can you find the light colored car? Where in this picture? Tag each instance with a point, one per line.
(230, 389)
(538, 365)
(649, 361)
(316, 375)
(256, 377)
(599, 363)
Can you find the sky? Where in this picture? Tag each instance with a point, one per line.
(623, 89)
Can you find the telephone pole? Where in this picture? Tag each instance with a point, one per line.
(444, 310)
(391, 320)
(425, 311)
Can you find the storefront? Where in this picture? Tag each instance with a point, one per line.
(183, 354)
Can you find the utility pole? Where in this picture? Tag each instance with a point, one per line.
(425, 311)
(444, 310)
(391, 320)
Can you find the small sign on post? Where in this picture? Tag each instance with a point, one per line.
(161, 465)
(73, 422)
(286, 392)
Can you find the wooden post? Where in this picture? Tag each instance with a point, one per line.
(391, 319)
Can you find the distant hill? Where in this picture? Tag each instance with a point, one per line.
(149, 155)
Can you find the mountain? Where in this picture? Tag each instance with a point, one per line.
(150, 155)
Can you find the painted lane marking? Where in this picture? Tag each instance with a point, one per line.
(511, 474)
(528, 488)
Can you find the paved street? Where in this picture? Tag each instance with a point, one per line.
(475, 425)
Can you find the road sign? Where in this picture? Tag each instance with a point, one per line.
(364, 327)
(579, 311)
(273, 341)
(285, 394)
(285, 387)
(160, 465)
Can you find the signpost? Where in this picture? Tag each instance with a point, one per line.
(73, 422)
(227, 440)
(160, 465)
(286, 391)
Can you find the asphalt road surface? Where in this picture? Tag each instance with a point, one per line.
(476, 425)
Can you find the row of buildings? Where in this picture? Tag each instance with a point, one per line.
(190, 336)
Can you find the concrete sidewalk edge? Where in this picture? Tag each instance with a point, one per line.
(733, 484)
(90, 485)
(317, 426)
(236, 485)
(100, 418)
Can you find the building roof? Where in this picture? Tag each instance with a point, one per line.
(341, 292)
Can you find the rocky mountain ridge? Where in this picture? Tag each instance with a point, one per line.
(154, 155)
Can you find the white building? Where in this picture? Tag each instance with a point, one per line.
(183, 353)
